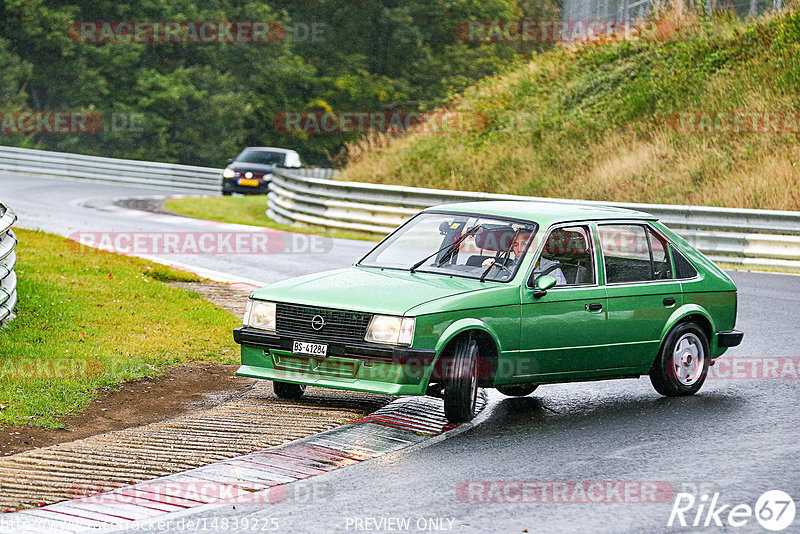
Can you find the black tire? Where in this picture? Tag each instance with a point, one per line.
(287, 391)
(226, 193)
(461, 383)
(522, 390)
(681, 366)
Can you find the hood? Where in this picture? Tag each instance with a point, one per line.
(388, 292)
(244, 166)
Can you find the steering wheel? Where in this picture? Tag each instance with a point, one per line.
(552, 268)
(501, 267)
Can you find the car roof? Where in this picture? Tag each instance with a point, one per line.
(542, 212)
(270, 148)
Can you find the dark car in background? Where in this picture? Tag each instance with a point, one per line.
(251, 171)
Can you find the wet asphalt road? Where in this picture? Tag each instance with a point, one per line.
(68, 206)
(737, 437)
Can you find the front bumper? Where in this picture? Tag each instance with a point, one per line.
(230, 185)
(730, 338)
(352, 366)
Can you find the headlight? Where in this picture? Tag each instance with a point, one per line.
(390, 330)
(260, 314)
(228, 173)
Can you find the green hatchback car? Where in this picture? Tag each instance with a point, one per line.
(502, 294)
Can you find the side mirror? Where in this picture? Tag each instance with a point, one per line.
(543, 283)
(230, 160)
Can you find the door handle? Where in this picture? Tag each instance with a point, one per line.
(594, 306)
(669, 301)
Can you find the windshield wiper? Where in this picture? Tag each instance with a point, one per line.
(506, 255)
(447, 248)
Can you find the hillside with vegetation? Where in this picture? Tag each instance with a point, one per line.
(692, 110)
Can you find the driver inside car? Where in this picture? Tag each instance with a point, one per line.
(542, 265)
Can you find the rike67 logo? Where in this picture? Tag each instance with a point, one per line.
(774, 510)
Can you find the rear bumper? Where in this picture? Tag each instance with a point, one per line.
(730, 338)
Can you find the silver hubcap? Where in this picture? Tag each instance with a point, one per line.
(688, 359)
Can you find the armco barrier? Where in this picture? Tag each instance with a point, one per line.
(751, 238)
(110, 169)
(8, 259)
(128, 171)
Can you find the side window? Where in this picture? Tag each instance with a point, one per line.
(662, 270)
(626, 253)
(683, 267)
(567, 256)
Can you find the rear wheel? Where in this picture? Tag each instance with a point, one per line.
(682, 365)
(461, 384)
(521, 390)
(287, 391)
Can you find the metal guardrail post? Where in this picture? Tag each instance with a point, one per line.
(8, 259)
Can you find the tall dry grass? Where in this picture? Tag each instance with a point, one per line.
(601, 128)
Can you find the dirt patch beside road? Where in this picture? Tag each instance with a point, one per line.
(181, 390)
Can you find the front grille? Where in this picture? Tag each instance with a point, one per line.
(340, 325)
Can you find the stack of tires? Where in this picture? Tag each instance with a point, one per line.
(8, 258)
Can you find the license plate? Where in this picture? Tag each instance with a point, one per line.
(310, 349)
(245, 181)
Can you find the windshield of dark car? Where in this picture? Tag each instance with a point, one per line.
(262, 157)
(489, 241)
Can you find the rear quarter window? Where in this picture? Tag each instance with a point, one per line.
(683, 267)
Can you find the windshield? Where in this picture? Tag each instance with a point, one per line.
(262, 157)
(470, 246)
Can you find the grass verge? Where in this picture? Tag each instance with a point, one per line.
(249, 210)
(89, 319)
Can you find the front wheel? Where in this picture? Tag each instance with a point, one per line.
(518, 391)
(682, 365)
(287, 391)
(461, 384)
